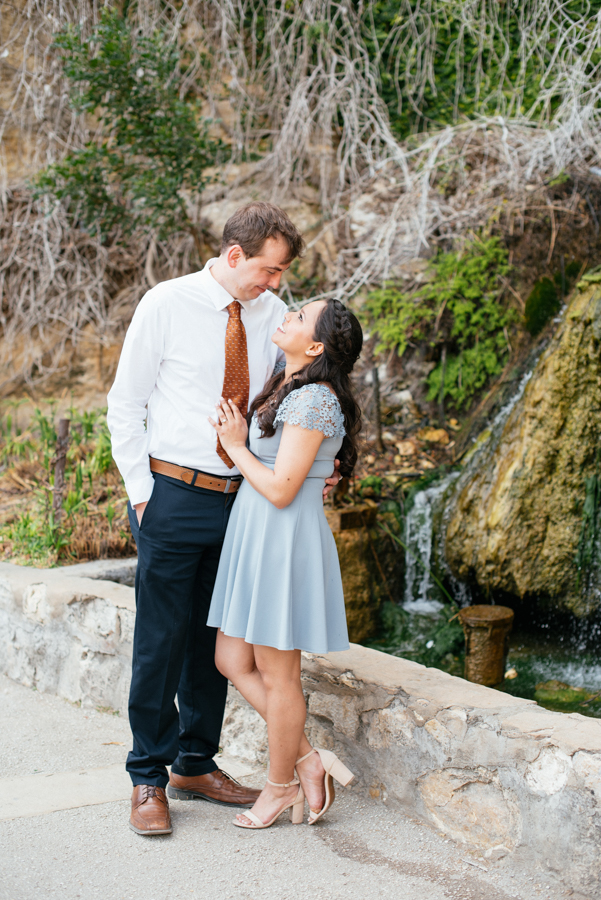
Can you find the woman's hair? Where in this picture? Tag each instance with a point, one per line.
(339, 331)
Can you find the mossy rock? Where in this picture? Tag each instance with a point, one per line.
(517, 521)
(542, 303)
(362, 576)
(560, 695)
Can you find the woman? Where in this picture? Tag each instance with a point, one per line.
(278, 589)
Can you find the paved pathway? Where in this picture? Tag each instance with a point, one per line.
(63, 831)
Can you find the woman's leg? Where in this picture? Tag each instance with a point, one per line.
(236, 660)
(285, 714)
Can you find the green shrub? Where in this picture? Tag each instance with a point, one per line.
(459, 314)
(153, 146)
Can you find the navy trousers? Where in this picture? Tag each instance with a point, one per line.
(179, 542)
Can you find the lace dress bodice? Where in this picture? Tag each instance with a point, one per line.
(314, 407)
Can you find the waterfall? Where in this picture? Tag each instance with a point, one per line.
(503, 413)
(421, 591)
(422, 594)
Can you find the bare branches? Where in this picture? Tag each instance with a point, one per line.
(305, 99)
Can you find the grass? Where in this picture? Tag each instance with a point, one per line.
(94, 522)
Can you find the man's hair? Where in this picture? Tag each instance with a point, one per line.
(251, 225)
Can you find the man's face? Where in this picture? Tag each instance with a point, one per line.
(252, 276)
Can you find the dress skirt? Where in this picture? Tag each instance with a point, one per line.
(279, 580)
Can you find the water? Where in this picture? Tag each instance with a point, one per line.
(422, 594)
(556, 653)
(503, 413)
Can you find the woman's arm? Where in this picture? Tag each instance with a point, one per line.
(296, 454)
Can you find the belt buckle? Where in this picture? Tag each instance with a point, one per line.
(228, 482)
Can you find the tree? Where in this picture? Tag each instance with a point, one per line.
(152, 145)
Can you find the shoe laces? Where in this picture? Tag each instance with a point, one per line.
(151, 790)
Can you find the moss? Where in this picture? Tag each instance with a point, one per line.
(541, 305)
(560, 696)
(515, 522)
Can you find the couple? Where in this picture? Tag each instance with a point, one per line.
(237, 568)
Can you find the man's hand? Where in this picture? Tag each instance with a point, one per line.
(139, 508)
(333, 480)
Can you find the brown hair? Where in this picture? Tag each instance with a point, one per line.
(340, 332)
(251, 225)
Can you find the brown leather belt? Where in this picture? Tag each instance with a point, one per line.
(195, 478)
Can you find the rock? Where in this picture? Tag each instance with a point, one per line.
(361, 597)
(515, 516)
(473, 808)
(495, 773)
(401, 398)
(406, 448)
(433, 435)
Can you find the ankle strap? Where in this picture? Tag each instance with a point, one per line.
(306, 756)
(288, 783)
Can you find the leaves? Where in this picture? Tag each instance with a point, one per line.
(460, 308)
(152, 146)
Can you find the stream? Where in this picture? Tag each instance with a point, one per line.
(554, 658)
(555, 666)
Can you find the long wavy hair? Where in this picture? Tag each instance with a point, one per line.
(340, 333)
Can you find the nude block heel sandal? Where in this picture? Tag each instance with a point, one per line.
(297, 809)
(335, 769)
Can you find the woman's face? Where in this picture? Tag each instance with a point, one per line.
(295, 334)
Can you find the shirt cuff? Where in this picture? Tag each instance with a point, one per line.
(140, 489)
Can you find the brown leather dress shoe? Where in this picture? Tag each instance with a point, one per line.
(216, 787)
(150, 810)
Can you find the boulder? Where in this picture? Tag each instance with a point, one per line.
(526, 503)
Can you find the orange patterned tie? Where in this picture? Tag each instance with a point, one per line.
(235, 379)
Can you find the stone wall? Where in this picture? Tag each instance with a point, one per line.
(500, 776)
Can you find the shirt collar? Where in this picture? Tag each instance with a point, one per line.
(218, 294)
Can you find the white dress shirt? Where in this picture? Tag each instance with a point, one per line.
(171, 371)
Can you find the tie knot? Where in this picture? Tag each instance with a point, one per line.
(234, 309)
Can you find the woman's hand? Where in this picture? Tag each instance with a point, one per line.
(230, 426)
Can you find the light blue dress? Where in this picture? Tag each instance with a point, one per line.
(279, 581)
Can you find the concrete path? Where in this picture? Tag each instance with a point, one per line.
(64, 807)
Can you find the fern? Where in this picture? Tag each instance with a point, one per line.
(461, 309)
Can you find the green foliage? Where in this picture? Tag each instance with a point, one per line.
(37, 538)
(544, 301)
(152, 144)
(460, 310)
(435, 640)
(33, 534)
(438, 71)
(370, 486)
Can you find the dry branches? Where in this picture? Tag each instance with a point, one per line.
(303, 84)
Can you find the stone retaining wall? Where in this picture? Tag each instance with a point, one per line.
(501, 776)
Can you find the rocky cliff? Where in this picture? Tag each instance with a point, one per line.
(523, 515)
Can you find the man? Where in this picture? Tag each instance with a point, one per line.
(192, 340)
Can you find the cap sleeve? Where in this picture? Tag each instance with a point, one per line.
(314, 407)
